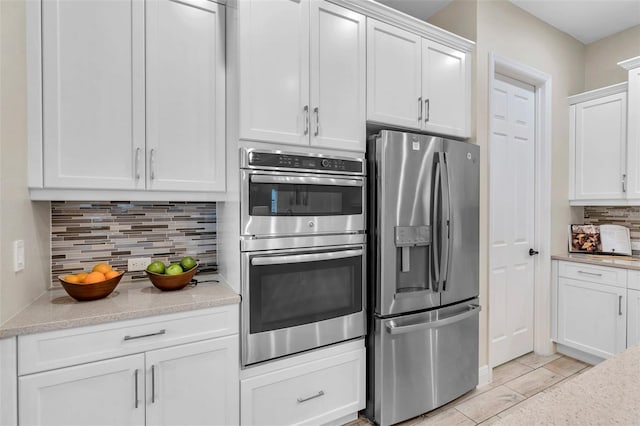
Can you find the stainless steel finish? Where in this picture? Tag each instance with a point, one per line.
(305, 111)
(624, 183)
(420, 109)
(318, 395)
(306, 179)
(619, 305)
(590, 273)
(426, 107)
(137, 399)
(152, 163)
(445, 223)
(153, 384)
(157, 333)
(295, 225)
(137, 165)
(396, 327)
(317, 113)
(292, 242)
(246, 153)
(263, 346)
(301, 258)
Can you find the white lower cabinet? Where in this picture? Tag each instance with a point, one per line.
(315, 388)
(193, 383)
(633, 317)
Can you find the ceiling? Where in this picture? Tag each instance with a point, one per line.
(585, 20)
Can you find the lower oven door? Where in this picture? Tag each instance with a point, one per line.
(295, 300)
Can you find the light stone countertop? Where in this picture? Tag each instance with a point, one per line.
(56, 310)
(608, 394)
(594, 259)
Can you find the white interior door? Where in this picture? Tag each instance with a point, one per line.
(512, 206)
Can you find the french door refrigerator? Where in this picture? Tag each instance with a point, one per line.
(422, 344)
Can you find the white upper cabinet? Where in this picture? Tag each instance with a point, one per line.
(633, 127)
(416, 83)
(91, 96)
(185, 95)
(127, 96)
(302, 74)
(599, 129)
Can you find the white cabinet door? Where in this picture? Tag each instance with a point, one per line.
(600, 147)
(592, 317)
(633, 317)
(185, 95)
(194, 384)
(444, 90)
(274, 71)
(338, 77)
(393, 76)
(107, 392)
(633, 134)
(93, 93)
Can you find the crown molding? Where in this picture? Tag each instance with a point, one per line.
(630, 64)
(597, 93)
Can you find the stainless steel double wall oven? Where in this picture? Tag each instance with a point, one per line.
(303, 250)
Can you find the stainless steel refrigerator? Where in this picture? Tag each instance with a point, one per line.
(422, 345)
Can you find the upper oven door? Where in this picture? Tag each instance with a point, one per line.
(281, 203)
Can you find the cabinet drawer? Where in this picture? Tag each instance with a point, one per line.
(633, 282)
(55, 349)
(592, 273)
(312, 393)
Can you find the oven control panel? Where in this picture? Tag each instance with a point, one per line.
(293, 161)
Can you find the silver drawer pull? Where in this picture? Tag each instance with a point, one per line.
(318, 395)
(590, 273)
(157, 333)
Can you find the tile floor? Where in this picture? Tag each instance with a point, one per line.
(513, 383)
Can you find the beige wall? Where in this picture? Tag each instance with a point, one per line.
(459, 17)
(20, 219)
(602, 57)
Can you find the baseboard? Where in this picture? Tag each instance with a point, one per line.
(578, 354)
(483, 375)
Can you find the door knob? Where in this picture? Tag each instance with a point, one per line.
(533, 252)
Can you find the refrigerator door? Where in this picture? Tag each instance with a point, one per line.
(422, 361)
(402, 203)
(459, 280)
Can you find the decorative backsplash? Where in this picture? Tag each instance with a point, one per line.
(85, 233)
(625, 216)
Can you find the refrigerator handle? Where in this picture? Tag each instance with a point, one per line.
(446, 224)
(435, 252)
(392, 328)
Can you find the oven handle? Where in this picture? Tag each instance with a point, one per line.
(307, 180)
(301, 258)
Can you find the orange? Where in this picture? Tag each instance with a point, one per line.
(94, 277)
(102, 267)
(111, 274)
(81, 276)
(71, 279)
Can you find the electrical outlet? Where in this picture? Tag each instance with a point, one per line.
(18, 255)
(138, 263)
(635, 245)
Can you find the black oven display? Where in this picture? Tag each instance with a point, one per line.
(291, 294)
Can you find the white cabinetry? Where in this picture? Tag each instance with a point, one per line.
(633, 126)
(126, 96)
(302, 74)
(633, 309)
(598, 129)
(154, 378)
(416, 83)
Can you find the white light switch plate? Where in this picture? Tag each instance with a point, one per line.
(18, 255)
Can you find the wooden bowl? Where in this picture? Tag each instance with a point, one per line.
(171, 282)
(94, 291)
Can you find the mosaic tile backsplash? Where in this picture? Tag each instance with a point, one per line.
(625, 216)
(86, 233)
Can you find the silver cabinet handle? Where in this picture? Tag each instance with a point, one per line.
(393, 328)
(305, 110)
(590, 273)
(624, 183)
(157, 333)
(426, 107)
(136, 394)
(619, 305)
(301, 258)
(318, 395)
(420, 109)
(137, 166)
(316, 111)
(152, 163)
(153, 384)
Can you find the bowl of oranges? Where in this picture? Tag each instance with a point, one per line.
(98, 283)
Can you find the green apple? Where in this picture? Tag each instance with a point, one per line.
(174, 269)
(187, 263)
(156, 267)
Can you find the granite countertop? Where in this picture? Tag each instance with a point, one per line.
(56, 310)
(607, 394)
(626, 262)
